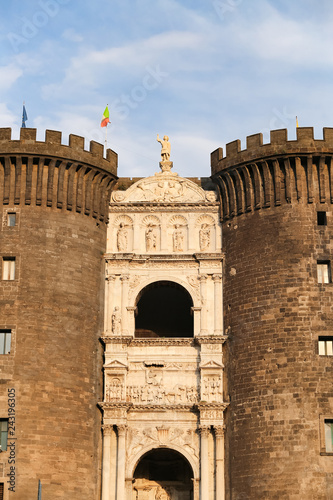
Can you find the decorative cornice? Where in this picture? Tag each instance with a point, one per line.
(163, 257)
(211, 339)
(191, 341)
(163, 341)
(164, 407)
(116, 340)
(115, 406)
(212, 406)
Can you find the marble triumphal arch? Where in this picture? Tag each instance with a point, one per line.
(163, 406)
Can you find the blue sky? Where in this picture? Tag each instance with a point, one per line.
(204, 72)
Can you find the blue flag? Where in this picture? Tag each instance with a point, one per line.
(39, 483)
(24, 117)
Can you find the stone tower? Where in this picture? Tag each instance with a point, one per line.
(54, 207)
(276, 211)
(163, 407)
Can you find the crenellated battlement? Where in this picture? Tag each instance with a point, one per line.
(266, 175)
(55, 175)
(53, 147)
(278, 145)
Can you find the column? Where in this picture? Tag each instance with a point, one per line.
(106, 467)
(217, 278)
(121, 462)
(137, 229)
(204, 462)
(108, 301)
(113, 475)
(196, 489)
(124, 298)
(219, 465)
(164, 236)
(192, 234)
(131, 320)
(203, 291)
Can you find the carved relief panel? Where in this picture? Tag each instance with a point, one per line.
(123, 234)
(152, 233)
(178, 234)
(205, 233)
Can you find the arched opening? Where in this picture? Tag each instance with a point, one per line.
(164, 310)
(165, 474)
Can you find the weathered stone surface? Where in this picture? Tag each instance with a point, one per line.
(53, 308)
(274, 311)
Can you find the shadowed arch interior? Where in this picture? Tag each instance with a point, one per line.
(164, 310)
(166, 470)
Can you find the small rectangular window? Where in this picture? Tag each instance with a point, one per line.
(321, 219)
(11, 219)
(8, 268)
(323, 272)
(2, 491)
(325, 346)
(3, 433)
(5, 341)
(328, 435)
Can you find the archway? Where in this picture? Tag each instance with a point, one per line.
(163, 474)
(164, 310)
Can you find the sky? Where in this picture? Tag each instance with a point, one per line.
(203, 72)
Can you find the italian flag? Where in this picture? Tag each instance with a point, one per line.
(105, 119)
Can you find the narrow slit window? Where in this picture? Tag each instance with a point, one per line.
(11, 219)
(321, 219)
(5, 341)
(3, 433)
(2, 491)
(329, 435)
(8, 268)
(325, 346)
(323, 272)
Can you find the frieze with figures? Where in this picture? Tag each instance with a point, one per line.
(149, 394)
(140, 438)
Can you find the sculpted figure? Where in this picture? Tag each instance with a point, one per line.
(204, 237)
(116, 321)
(162, 494)
(178, 239)
(150, 239)
(122, 238)
(166, 147)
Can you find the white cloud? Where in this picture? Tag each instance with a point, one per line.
(8, 76)
(71, 35)
(7, 118)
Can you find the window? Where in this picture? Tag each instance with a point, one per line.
(323, 272)
(11, 219)
(321, 219)
(328, 423)
(2, 491)
(325, 346)
(5, 340)
(8, 268)
(3, 433)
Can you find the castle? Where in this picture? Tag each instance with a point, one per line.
(166, 338)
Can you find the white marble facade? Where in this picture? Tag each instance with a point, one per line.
(163, 394)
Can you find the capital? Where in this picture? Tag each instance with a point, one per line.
(121, 429)
(217, 278)
(107, 429)
(219, 430)
(204, 430)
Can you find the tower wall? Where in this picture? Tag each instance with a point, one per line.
(54, 309)
(274, 312)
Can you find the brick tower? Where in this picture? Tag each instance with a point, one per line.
(54, 205)
(276, 209)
